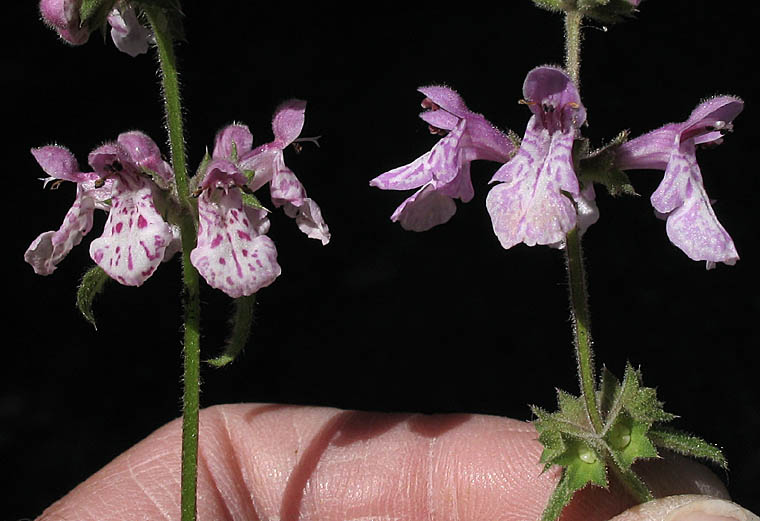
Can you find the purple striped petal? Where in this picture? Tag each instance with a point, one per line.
(528, 205)
(51, 247)
(232, 142)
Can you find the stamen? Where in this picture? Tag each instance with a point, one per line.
(100, 182)
(437, 131)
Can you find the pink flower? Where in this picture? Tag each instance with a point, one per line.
(233, 253)
(136, 238)
(538, 199)
(681, 198)
(128, 34)
(443, 174)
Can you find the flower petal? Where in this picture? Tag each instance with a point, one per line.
(425, 209)
(288, 121)
(309, 220)
(63, 17)
(59, 163)
(230, 255)
(50, 248)
(529, 206)
(649, 151)
(232, 142)
(145, 154)
(691, 222)
(546, 87)
(135, 236)
(285, 186)
(127, 33)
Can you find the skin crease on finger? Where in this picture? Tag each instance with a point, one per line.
(273, 462)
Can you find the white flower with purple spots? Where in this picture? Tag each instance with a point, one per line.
(681, 198)
(538, 199)
(443, 174)
(135, 238)
(233, 253)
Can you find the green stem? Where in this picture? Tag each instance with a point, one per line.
(573, 21)
(574, 253)
(582, 326)
(191, 366)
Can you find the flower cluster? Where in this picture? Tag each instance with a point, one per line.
(127, 33)
(538, 198)
(131, 181)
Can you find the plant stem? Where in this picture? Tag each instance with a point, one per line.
(573, 21)
(582, 325)
(191, 366)
(574, 253)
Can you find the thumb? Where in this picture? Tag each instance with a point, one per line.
(265, 462)
(687, 508)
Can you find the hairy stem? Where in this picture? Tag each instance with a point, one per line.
(574, 253)
(191, 366)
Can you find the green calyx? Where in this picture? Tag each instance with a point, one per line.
(632, 429)
(598, 166)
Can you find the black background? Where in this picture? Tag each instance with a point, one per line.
(380, 319)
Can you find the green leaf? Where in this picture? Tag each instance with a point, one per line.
(92, 284)
(641, 402)
(558, 500)
(599, 167)
(241, 330)
(687, 445)
(608, 395)
(550, 5)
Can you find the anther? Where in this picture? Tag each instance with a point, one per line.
(437, 131)
(427, 103)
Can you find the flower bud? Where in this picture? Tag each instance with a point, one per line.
(63, 17)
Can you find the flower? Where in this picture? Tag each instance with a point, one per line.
(681, 198)
(538, 199)
(136, 239)
(233, 253)
(128, 34)
(268, 165)
(443, 173)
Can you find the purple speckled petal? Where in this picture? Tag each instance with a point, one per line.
(691, 222)
(232, 140)
(127, 33)
(230, 255)
(59, 163)
(528, 205)
(288, 121)
(285, 186)
(51, 247)
(145, 154)
(425, 209)
(309, 220)
(135, 236)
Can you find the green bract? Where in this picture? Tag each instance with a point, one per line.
(632, 429)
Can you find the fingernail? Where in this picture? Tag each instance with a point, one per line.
(711, 510)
